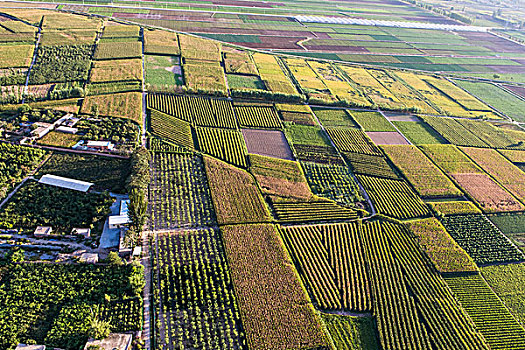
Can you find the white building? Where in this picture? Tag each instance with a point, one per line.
(30, 347)
(115, 341)
(89, 258)
(85, 232)
(64, 182)
(43, 231)
(100, 145)
(118, 221)
(67, 129)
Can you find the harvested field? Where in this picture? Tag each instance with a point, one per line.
(270, 143)
(490, 196)
(387, 138)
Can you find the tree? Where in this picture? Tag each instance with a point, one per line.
(114, 259)
(15, 255)
(136, 279)
(98, 329)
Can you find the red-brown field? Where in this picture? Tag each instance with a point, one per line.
(387, 138)
(490, 196)
(270, 143)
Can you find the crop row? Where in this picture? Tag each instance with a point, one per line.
(393, 197)
(332, 263)
(197, 304)
(178, 194)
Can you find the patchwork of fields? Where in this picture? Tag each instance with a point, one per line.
(280, 202)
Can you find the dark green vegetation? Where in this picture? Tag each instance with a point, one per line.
(513, 226)
(56, 304)
(199, 305)
(482, 241)
(356, 332)
(15, 163)
(57, 64)
(106, 173)
(43, 205)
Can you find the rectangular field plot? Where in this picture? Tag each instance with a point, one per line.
(312, 211)
(244, 82)
(112, 50)
(196, 110)
(276, 311)
(480, 239)
(445, 253)
(163, 73)
(16, 56)
(498, 98)
(353, 140)
(418, 133)
(126, 105)
(454, 207)
(224, 144)
(199, 256)
(335, 251)
(427, 179)
(116, 70)
(387, 138)
(489, 314)
(512, 225)
(257, 117)
(393, 197)
(270, 143)
(179, 195)
(334, 117)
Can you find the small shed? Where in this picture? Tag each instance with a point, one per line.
(65, 182)
(100, 145)
(118, 341)
(43, 231)
(30, 347)
(67, 129)
(41, 129)
(86, 232)
(89, 258)
(118, 221)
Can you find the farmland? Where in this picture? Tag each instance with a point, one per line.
(350, 184)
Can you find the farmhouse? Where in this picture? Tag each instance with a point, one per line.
(64, 182)
(67, 129)
(86, 232)
(89, 258)
(41, 129)
(118, 341)
(118, 221)
(30, 347)
(43, 231)
(100, 145)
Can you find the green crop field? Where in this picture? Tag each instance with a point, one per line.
(254, 175)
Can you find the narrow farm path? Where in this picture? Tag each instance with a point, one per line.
(11, 194)
(144, 92)
(145, 261)
(37, 43)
